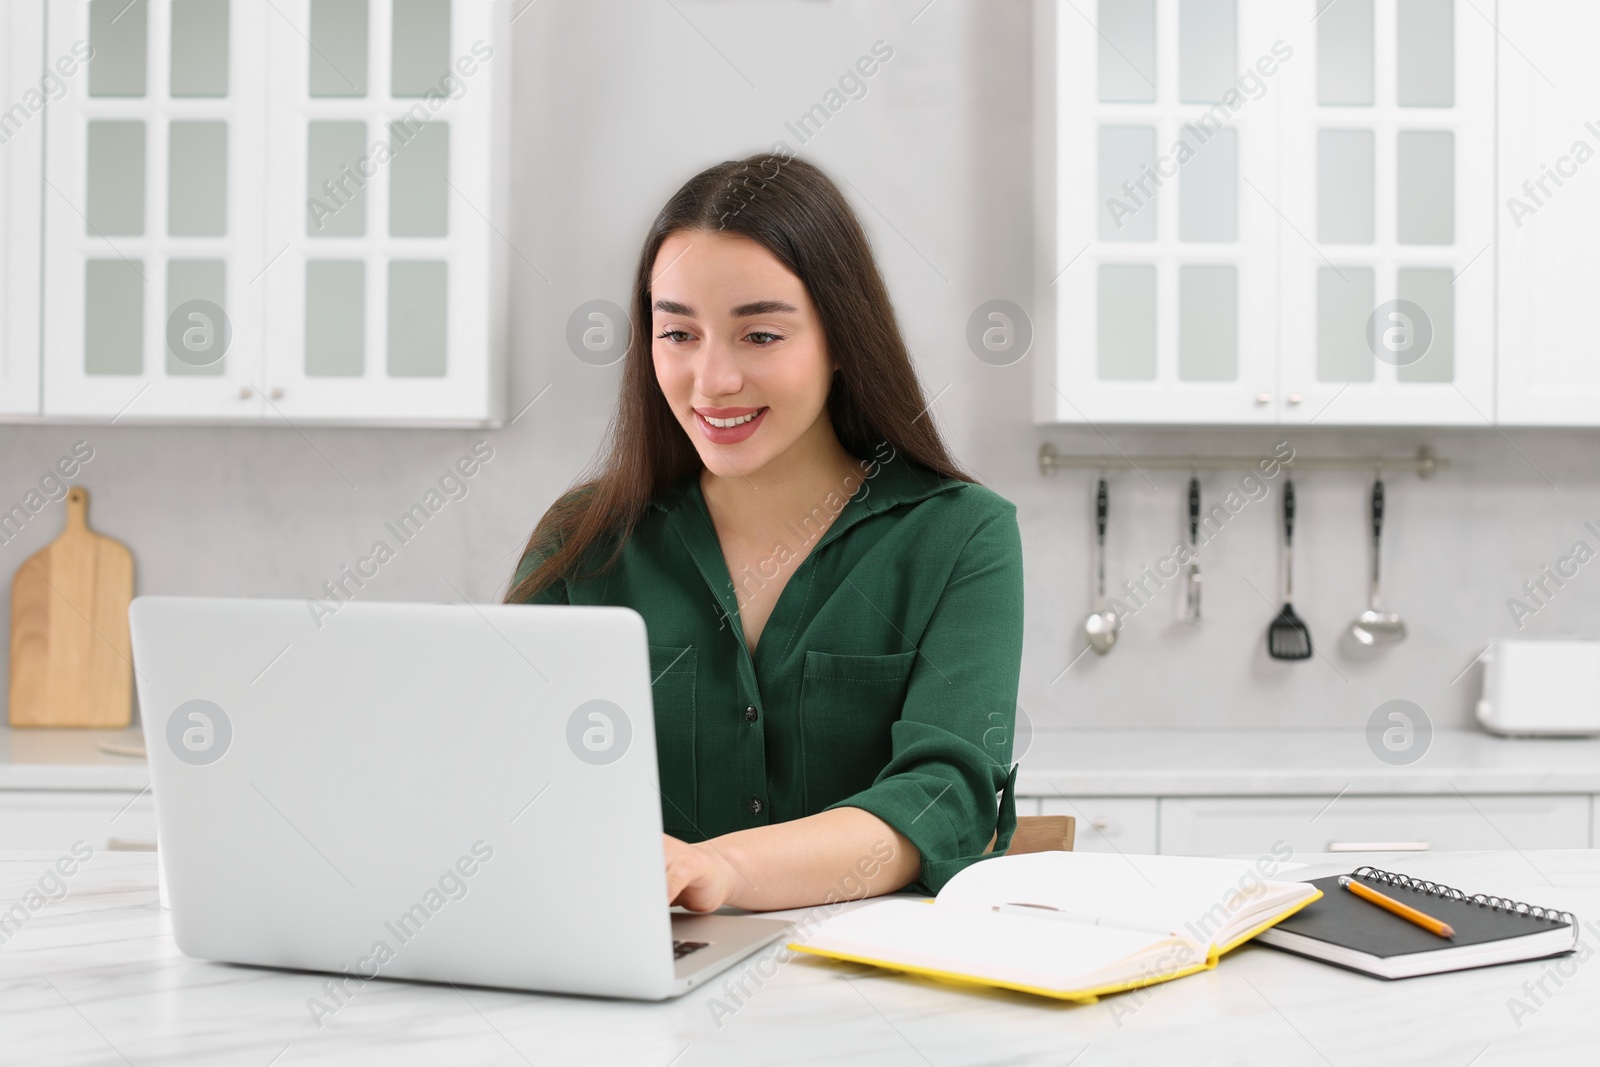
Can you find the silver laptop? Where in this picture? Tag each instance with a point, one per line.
(452, 793)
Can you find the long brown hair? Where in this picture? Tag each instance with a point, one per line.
(796, 213)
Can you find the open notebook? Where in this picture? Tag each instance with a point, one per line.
(1070, 925)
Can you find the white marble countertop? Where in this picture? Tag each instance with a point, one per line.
(1074, 763)
(94, 978)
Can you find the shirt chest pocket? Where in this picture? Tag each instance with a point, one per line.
(672, 673)
(847, 706)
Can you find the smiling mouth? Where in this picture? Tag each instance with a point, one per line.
(729, 426)
(739, 420)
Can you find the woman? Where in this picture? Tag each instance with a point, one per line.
(834, 608)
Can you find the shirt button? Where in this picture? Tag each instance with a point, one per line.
(755, 805)
(750, 713)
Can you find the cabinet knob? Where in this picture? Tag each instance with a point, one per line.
(1100, 822)
(277, 392)
(1295, 398)
(1263, 398)
(245, 392)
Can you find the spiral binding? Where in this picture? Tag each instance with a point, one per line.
(1483, 900)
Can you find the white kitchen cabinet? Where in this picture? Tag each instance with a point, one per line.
(281, 213)
(386, 295)
(153, 171)
(1231, 192)
(1205, 826)
(1386, 164)
(24, 93)
(1156, 261)
(1549, 350)
(1108, 824)
(52, 821)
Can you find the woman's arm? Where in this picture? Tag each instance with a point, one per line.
(840, 854)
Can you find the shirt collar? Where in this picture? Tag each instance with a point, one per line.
(888, 479)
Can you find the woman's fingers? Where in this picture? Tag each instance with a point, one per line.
(691, 877)
(678, 874)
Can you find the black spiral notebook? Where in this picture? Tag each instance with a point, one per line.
(1346, 930)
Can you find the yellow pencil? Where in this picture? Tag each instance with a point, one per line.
(1405, 911)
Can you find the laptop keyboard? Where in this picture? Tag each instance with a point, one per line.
(681, 949)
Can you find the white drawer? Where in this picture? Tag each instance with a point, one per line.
(1208, 826)
(52, 821)
(1108, 824)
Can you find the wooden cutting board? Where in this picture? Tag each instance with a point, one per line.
(71, 661)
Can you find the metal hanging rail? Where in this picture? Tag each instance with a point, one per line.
(1425, 464)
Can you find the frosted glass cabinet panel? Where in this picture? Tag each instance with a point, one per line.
(1208, 191)
(1126, 49)
(200, 35)
(1127, 316)
(21, 194)
(1208, 41)
(1208, 323)
(1345, 48)
(1346, 181)
(1425, 53)
(274, 212)
(340, 44)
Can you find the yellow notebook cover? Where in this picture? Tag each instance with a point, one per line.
(1107, 912)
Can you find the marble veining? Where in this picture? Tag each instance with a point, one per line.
(94, 978)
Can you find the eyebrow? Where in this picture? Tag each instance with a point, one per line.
(743, 311)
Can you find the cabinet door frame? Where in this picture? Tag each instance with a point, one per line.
(1469, 399)
(153, 394)
(1068, 118)
(263, 377)
(22, 67)
(1546, 260)
(468, 394)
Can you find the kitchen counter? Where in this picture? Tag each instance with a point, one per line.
(1286, 763)
(1057, 762)
(95, 977)
(71, 759)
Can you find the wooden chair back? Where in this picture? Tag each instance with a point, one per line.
(1041, 833)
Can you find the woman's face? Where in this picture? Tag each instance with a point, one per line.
(738, 350)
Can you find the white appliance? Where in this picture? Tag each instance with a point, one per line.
(1543, 688)
(447, 792)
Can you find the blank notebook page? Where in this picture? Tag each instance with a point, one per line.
(981, 943)
(1165, 892)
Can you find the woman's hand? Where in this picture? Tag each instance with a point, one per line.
(838, 854)
(698, 876)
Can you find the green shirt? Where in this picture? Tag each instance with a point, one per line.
(885, 678)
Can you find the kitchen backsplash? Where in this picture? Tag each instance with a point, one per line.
(289, 512)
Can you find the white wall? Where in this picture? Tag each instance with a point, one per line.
(618, 102)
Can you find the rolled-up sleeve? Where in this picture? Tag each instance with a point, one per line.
(952, 746)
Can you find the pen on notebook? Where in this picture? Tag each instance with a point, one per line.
(1085, 918)
(1405, 911)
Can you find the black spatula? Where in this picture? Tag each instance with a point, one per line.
(1287, 637)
